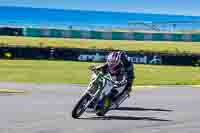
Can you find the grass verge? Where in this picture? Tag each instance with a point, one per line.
(151, 46)
(2, 91)
(77, 73)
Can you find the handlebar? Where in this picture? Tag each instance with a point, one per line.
(123, 82)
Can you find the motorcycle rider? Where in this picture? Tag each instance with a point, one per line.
(120, 67)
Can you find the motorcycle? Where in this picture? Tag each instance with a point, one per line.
(100, 89)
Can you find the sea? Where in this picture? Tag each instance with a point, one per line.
(58, 18)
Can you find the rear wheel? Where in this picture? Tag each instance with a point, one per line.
(80, 108)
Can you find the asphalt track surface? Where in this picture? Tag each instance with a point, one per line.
(47, 109)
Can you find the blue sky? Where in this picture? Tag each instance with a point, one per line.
(184, 7)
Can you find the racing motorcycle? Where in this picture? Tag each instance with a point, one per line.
(100, 89)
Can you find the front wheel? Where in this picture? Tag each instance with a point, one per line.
(80, 107)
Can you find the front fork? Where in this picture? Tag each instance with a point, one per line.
(94, 90)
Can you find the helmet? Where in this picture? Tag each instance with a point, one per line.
(114, 62)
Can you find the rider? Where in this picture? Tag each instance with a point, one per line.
(119, 66)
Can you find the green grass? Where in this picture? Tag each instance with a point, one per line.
(77, 73)
(152, 46)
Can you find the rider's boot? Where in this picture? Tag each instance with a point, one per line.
(107, 102)
(103, 106)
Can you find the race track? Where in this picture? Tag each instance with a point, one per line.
(47, 109)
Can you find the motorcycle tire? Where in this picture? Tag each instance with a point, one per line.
(79, 108)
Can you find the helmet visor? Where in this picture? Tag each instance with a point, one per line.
(114, 67)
